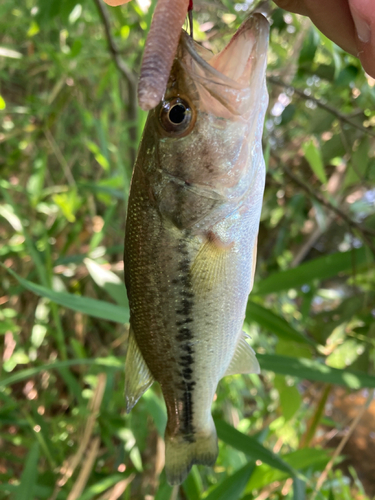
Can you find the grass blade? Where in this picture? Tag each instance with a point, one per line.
(314, 157)
(192, 485)
(307, 460)
(108, 280)
(29, 476)
(314, 370)
(318, 269)
(274, 323)
(232, 487)
(299, 489)
(109, 362)
(251, 447)
(86, 305)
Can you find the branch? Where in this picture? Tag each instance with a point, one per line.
(129, 76)
(350, 222)
(122, 67)
(320, 104)
(342, 443)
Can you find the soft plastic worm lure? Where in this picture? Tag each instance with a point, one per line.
(160, 50)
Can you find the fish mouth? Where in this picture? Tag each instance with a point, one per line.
(235, 76)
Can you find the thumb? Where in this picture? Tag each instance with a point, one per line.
(363, 13)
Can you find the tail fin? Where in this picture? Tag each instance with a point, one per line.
(182, 452)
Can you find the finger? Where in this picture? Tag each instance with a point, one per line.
(331, 17)
(363, 12)
(295, 6)
(114, 3)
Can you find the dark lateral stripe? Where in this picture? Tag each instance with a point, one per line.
(185, 335)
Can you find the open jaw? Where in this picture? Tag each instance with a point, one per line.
(234, 78)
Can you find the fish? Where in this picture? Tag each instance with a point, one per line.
(191, 237)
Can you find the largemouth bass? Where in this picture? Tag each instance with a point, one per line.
(191, 234)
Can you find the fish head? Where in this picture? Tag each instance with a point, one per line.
(208, 126)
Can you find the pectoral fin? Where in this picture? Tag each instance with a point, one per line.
(244, 359)
(211, 266)
(138, 377)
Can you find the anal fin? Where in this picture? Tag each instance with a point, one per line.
(244, 359)
(138, 377)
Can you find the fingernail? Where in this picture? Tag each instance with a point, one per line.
(362, 27)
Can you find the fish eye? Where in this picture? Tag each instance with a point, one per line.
(176, 116)
(177, 113)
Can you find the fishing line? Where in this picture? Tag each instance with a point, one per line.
(190, 17)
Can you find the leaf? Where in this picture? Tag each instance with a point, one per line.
(230, 7)
(309, 47)
(29, 476)
(274, 323)
(7, 212)
(165, 490)
(320, 215)
(109, 362)
(13, 54)
(102, 188)
(318, 269)
(99, 157)
(303, 459)
(232, 487)
(314, 421)
(101, 486)
(86, 305)
(299, 489)
(324, 323)
(358, 164)
(313, 370)
(251, 447)
(30, 245)
(333, 148)
(33, 30)
(108, 280)
(313, 156)
(68, 203)
(333, 49)
(156, 408)
(345, 354)
(288, 114)
(40, 492)
(47, 10)
(290, 398)
(193, 485)
(347, 76)
(320, 120)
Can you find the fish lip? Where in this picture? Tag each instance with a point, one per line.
(217, 77)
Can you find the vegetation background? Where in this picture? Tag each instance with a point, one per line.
(69, 129)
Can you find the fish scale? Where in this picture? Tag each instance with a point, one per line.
(191, 231)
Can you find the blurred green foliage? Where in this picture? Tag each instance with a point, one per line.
(69, 130)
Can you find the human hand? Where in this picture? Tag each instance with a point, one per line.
(348, 23)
